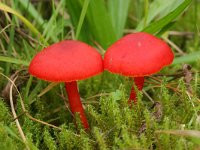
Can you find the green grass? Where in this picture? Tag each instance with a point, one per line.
(28, 26)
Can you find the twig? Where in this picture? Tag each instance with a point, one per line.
(177, 33)
(167, 86)
(100, 48)
(26, 112)
(156, 79)
(147, 95)
(21, 114)
(42, 122)
(188, 77)
(174, 46)
(48, 88)
(66, 104)
(15, 115)
(7, 39)
(23, 106)
(31, 39)
(3, 30)
(169, 75)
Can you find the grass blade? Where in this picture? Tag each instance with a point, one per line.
(74, 10)
(6, 8)
(158, 25)
(100, 23)
(118, 10)
(157, 9)
(97, 26)
(50, 27)
(14, 61)
(32, 11)
(82, 16)
(192, 57)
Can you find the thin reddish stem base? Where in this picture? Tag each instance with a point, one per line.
(139, 82)
(75, 102)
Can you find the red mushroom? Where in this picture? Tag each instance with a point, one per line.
(68, 61)
(137, 55)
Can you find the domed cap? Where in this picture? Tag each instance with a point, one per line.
(66, 61)
(137, 54)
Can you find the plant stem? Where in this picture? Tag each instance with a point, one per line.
(75, 102)
(139, 82)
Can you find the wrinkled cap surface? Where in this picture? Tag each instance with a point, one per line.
(66, 61)
(137, 54)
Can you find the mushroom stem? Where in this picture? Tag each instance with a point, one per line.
(75, 102)
(139, 82)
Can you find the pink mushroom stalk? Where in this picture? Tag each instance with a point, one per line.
(68, 61)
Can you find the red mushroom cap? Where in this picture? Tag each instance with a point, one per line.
(137, 54)
(66, 61)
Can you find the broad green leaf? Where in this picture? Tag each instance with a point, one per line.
(158, 25)
(100, 23)
(97, 25)
(158, 9)
(118, 10)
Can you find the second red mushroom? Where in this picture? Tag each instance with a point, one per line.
(137, 55)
